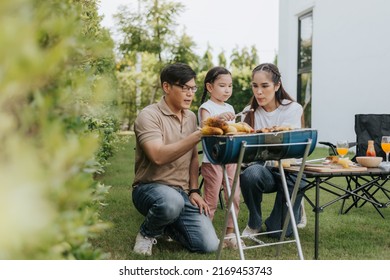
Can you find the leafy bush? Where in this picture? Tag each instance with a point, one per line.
(56, 80)
(106, 127)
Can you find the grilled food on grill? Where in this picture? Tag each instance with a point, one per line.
(216, 122)
(273, 129)
(210, 130)
(243, 127)
(231, 129)
(216, 126)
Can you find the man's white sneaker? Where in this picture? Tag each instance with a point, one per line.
(249, 231)
(231, 241)
(143, 244)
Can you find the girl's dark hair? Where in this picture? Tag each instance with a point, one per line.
(280, 94)
(211, 76)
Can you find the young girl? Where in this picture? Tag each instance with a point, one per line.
(218, 82)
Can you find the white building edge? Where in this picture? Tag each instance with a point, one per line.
(350, 60)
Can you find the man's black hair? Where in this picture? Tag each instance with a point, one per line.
(177, 73)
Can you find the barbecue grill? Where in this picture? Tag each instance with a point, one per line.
(223, 149)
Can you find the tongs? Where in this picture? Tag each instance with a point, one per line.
(244, 112)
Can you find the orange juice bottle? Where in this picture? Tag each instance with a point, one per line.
(370, 149)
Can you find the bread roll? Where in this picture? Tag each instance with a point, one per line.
(243, 127)
(216, 122)
(210, 130)
(231, 129)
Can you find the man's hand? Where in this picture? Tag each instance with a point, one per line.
(196, 199)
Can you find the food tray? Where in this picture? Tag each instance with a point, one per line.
(223, 149)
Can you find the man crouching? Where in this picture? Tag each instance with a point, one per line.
(165, 188)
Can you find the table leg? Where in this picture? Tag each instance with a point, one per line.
(317, 219)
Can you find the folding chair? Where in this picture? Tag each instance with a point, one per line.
(332, 147)
(368, 127)
(371, 127)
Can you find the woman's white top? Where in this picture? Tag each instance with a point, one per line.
(284, 115)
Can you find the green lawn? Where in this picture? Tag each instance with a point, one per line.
(360, 234)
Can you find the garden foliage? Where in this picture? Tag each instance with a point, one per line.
(151, 38)
(57, 127)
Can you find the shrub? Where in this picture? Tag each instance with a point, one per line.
(56, 76)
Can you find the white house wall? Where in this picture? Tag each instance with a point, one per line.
(351, 60)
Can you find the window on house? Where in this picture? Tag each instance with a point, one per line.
(305, 39)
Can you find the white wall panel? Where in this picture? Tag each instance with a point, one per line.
(351, 60)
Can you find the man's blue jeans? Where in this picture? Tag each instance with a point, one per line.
(258, 179)
(168, 210)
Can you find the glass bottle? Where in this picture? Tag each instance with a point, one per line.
(370, 149)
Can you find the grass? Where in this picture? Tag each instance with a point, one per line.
(359, 235)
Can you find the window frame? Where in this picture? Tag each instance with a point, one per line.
(304, 70)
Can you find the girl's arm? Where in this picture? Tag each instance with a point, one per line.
(226, 116)
(204, 114)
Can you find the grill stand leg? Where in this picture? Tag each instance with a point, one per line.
(291, 202)
(230, 207)
(290, 214)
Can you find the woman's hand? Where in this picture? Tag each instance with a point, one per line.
(196, 199)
